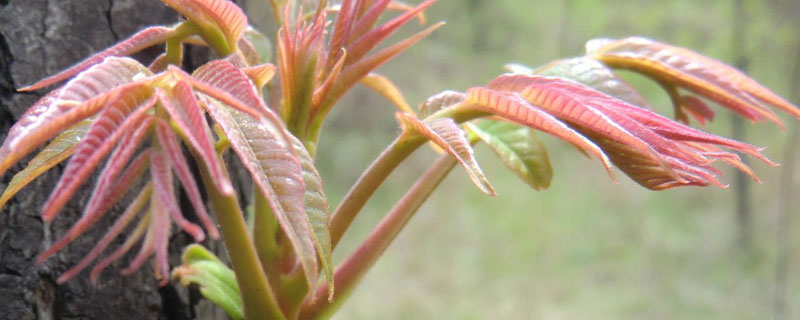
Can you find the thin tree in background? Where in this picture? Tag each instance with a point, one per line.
(742, 184)
(786, 193)
(564, 41)
(475, 10)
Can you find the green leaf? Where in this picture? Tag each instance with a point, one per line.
(217, 282)
(317, 210)
(518, 149)
(55, 152)
(260, 43)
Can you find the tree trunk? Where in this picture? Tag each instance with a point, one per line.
(742, 186)
(39, 38)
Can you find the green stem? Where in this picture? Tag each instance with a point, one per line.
(369, 181)
(259, 300)
(380, 169)
(175, 43)
(352, 270)
(277, 258)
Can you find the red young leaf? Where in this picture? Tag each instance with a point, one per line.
(440, 101)
(160, 222)
(650, 148)
(141, 40)
(141, 228)
(108, 188)
(77, 100)
(277, 173)
(214, 16)
(593, 74)
(355, 72)
(676, 131)
(730, 158)
(697, 109)
(185, 111)
(131, 212)
(341, 31)
(705, 76)
(368, 19)
(227, 83)
(161, 174)
(121, 114)
(647, 172)
(512, 107)
(448, 135)
(554, 96)
(361, 45)
(325, 87)
(175, 155)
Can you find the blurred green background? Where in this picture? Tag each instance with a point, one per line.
(585, 247)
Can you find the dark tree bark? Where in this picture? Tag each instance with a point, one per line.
(38, 38)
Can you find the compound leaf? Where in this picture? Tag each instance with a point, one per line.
(705, 76)
(123, 112)
(77, 100)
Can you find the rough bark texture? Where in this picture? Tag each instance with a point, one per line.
(38, 38)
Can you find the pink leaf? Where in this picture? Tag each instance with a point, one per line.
(449, 136)
(108, 188)
(121, 114)
(185, 111)
(141, 228)
(512, 107)
(141, 40)
(77, 100)
(277, 173)
(161, 173)
(119, 225)
(175, 155)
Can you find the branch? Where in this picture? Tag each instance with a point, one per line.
(369, 181)
(259, 300)
(352, 270)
